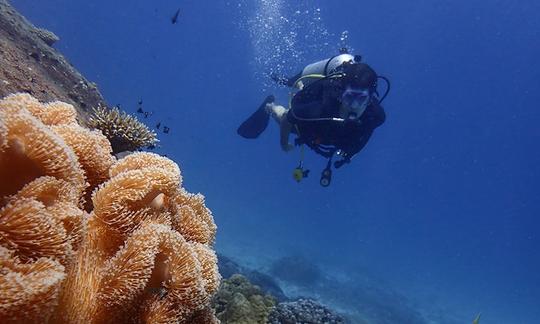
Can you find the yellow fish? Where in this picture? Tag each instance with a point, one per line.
(477, 319)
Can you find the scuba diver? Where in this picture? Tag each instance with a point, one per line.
(334, 111)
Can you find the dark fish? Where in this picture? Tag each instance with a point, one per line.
(140, 102)
(158, 125)
(146, 114)
(140, 111)
(174, 18)
(166, 129)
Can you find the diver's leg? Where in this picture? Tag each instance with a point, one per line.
(285, 128)
(277, 112)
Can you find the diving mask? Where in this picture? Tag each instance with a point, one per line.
(356, 100)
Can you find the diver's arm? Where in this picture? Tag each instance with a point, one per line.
(354, 147)
(375, 117)
(285, 128)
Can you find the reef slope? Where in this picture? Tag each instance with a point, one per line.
(30, 64)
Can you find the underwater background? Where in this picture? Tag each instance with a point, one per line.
(435, 220)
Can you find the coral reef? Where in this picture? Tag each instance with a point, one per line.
(86, 238)
(124, 131)
(240, 302)
(305, 311)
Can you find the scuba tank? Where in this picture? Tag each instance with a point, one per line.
(329, 66)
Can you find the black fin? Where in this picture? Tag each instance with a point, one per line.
(257, 122)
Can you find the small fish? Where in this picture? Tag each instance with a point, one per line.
(174, 18)
(477, 319)
(140, 102)
(158, 125)
(140, 111)
(146, 114)
(166, 129)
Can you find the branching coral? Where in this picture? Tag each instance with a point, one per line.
(124, 131)
(143, 254)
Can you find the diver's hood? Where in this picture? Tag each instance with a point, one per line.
(359, 75)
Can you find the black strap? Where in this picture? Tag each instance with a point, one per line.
(328, 63)
(326, 152)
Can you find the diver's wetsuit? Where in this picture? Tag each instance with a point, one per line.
(320, 100)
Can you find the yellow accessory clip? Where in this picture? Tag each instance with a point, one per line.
(298, 174)
(477, 319)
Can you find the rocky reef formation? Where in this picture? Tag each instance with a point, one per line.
(240, 302)
(29, 64)
(228, 268)
(139, 250)
(304, 311)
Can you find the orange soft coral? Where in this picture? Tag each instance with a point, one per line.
(194, 220)
(135, 254)
(53, 113)
(143, 254)
(138, 263)
(127, 199)
(33, 150)
(29, 229)
(93, 151)
(139, 160)
(28, 291)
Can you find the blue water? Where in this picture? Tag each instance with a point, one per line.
(441, 207)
